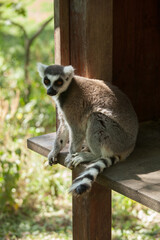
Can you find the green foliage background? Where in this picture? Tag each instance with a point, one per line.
(34, 203)
(31, 195)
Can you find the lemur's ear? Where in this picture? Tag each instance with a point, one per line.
(41, 68)
(69, 71)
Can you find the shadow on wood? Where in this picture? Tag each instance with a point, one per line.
(137, 178)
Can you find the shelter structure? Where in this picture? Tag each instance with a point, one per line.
(117, 41)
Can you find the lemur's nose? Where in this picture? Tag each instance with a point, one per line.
(51, 91)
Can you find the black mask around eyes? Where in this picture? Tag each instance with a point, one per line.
(46, 81)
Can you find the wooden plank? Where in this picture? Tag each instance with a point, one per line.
(91, 38)
(137, 178)
(61, 32)
(136, 54)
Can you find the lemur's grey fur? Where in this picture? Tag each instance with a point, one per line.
(94, 111)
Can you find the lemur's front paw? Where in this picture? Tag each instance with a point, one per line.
(68, 160)
(76, 160)
(52, 159)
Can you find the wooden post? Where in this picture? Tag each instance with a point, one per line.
(92, 214)
(91, 55)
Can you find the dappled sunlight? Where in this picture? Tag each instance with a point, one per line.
(152, 177)
(131, 220)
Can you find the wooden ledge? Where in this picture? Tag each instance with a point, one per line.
(137, 178)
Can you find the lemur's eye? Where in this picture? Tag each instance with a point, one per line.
(59, 82)
(46, 81)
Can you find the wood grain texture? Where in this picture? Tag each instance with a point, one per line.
(61, 32)
(136, 54)
(137, 178)
(91, 38)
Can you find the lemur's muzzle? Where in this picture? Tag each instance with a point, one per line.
(51, 92)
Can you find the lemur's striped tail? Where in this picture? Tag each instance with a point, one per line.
(83, 183)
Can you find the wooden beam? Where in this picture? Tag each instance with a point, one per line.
(92, 214)
(90, 45)
(91, 56)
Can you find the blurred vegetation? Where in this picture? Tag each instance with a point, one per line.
(34, 203)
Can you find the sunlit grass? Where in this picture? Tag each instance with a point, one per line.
(42, 205)
(131, 220)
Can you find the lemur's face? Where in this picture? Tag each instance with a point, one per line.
(56, 78)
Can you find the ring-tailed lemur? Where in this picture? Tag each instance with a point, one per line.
(94, 111)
